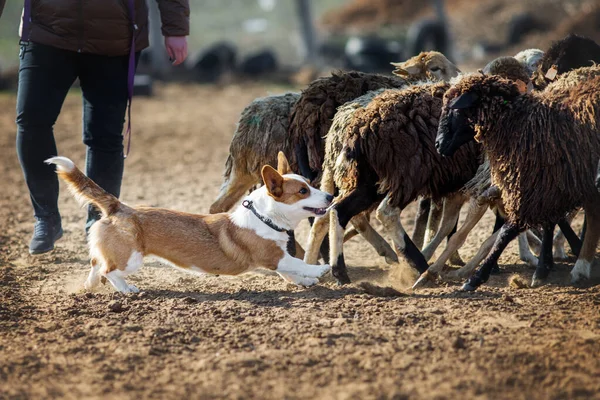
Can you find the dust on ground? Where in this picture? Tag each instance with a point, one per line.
(255, 336)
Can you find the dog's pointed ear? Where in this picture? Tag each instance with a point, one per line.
(465, 100)
(273, 181)
(283, 166)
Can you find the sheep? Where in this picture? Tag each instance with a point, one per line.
(261, 133)
(563, 56)
(478, 189)
(543, 149)
(388, 156)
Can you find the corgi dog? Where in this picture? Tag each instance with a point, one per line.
(254, 235)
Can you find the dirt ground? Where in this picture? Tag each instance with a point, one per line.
(254, 336)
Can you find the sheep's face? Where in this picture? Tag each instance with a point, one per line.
(456, 125)
(431, 64)
(472, 106)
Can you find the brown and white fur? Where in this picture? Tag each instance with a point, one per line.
(226, 243)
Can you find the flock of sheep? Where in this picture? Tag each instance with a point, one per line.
(521, 136)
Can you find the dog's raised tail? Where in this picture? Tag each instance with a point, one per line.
(85, 190)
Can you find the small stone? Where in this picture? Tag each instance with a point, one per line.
(339, 321)
(508, 298)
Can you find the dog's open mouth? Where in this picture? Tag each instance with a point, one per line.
(316, 211)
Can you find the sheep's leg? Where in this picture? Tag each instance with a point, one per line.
(569, 234)
(583, 266)
(301, 151)
(474, 215)
(390, 218)
(350, 205)
(525, 253)
(546, 262)
(435, 215)
(455, 258)
(293, 247)
(421, 218)
(583, 228)
(534, 242)
(362, 225)
(507, 233)
(499, 221)
(317, 233)
(482, 253)
(559, 238)
(233, 189)
(452, 205)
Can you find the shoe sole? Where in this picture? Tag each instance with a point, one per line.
(42, 251)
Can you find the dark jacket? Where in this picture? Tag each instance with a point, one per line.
(102, 26)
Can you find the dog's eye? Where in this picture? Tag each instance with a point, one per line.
(435, 69)
(303, 191)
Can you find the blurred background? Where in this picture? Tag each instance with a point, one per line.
(293, 41)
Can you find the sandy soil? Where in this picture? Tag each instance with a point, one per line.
(254, 336)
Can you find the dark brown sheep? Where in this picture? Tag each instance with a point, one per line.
(389, 151)
(395, 136)
(543, 149)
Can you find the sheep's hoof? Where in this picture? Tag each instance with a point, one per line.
(560, 254)
(391, 258)
(424, 278)
(341, 278)
(495, 269)
(472, 284)
(468, 288)
(455, 259)
(536, 281)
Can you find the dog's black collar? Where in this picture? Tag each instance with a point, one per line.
(267, 221)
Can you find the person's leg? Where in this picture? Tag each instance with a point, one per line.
(104, 86)
(45, 76)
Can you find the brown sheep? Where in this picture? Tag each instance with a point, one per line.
(543, 149)
(261, 133)
(389, 152)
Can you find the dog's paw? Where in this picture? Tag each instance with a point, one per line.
(306, 282)
(320, 270)
(133, 289)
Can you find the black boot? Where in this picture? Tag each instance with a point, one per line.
(47, 230)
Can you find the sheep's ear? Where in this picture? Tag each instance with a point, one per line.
(465, 100)
(273, 181)
(522, 86)
(405, 70)
(283, 166)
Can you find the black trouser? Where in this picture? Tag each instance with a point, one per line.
(45, 76)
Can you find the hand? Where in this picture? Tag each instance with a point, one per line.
(176, 48)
